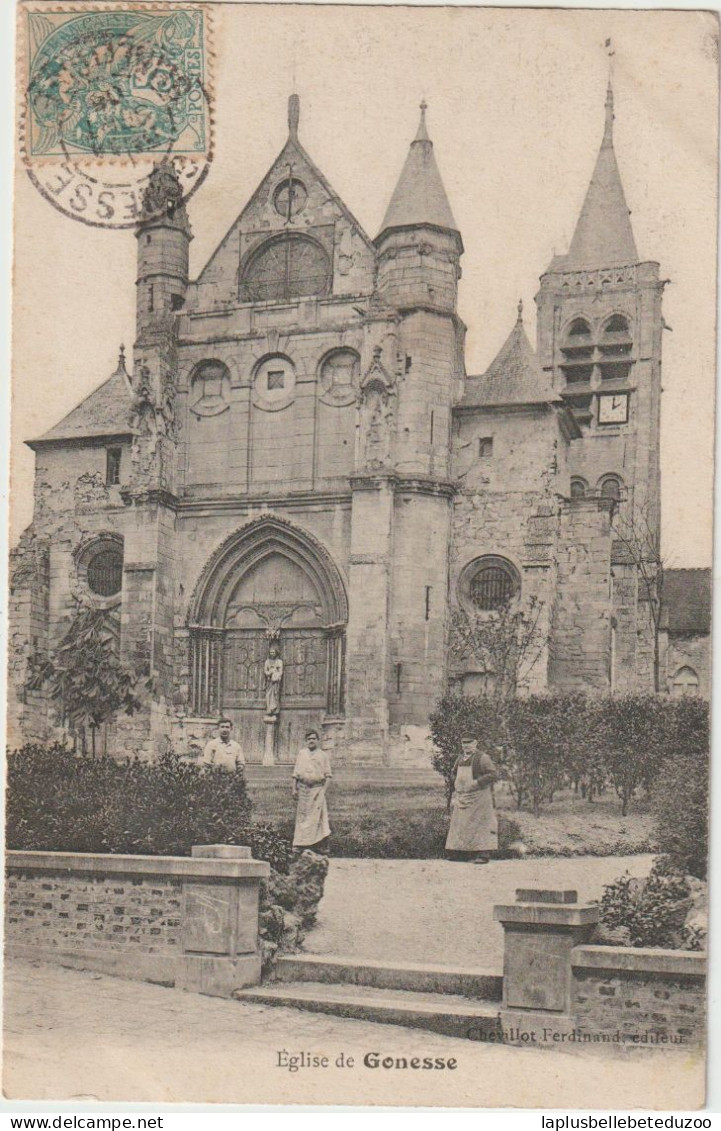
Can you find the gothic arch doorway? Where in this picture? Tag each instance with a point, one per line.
(269, 585)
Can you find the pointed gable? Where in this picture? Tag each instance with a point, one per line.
(312, 210)
(603, 235)
(419, 196)
(105, 412)
(515, 377)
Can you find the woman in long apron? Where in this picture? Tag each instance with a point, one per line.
(311, 774)
(473, 832)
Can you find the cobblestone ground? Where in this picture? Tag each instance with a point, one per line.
(439, 911)
(78, 1036)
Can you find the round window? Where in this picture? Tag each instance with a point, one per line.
(488, 585)
(105, 573)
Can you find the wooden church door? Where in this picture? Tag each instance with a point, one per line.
(275, 603)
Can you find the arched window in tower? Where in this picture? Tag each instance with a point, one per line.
(489, 584)
(577, 352)
(684, 683)
(611, 487)
(288, 266)
(614, 346)
(579, 487)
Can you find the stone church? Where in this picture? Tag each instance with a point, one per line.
(289, 502)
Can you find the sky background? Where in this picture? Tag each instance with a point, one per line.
(516, 114)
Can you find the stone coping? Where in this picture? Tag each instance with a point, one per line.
(183, 867)
(547, 914)
(641, 960)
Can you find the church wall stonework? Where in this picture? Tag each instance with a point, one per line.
(314, 381)
(580, 640)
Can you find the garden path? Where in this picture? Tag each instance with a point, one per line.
(440, 911)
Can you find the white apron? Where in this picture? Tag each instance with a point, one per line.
(311, 818)
(474, 825)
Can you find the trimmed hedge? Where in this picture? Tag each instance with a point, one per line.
(543, 743)
(61, 801)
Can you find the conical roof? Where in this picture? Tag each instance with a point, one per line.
(419, 197)
(514, 377)
(104, 412)
(603, 236)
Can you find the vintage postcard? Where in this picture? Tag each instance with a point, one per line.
(360, 584)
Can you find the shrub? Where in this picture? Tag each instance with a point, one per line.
(61, 801)
(680, 795)
(652, 912)
(456, 716)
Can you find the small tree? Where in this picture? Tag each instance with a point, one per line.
(85, 675)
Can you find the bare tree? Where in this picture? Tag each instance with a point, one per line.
(505, 643)
(640, 538)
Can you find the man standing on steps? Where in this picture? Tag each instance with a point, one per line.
(223, 750)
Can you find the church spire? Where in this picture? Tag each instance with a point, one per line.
(603, 235)
(419, 197)
(293, 115)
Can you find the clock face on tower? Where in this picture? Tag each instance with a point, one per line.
(613, 408)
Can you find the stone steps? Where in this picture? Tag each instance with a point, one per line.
(455, 1002)
(449, 1014)
(381, 974)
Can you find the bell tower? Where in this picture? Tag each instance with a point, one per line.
(599, 338)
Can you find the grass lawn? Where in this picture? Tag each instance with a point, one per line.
(411, 822)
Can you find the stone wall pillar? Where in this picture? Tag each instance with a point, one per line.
(540, 932)
(221, 948)
(369, 588)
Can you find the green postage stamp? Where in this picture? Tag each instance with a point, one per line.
(116, 81)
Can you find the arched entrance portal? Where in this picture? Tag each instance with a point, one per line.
(270, 585)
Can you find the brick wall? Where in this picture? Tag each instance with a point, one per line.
(76, 913)
(650, 997)
(185, 921)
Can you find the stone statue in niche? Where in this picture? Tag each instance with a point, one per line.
(376, 414)
(273, 671)
(376, 420)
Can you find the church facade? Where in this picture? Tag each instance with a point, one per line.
(299, 498)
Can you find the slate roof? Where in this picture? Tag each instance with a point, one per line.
(603, 235)
(419, 196)
(514, 377)
(104, 412)
(687, 601)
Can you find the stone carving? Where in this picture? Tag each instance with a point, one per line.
(376, 415)
(163, 193)
(273, 671)
(142, 411)
(149, 418)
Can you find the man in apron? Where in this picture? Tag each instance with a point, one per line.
(311, 774)
(473, 832)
